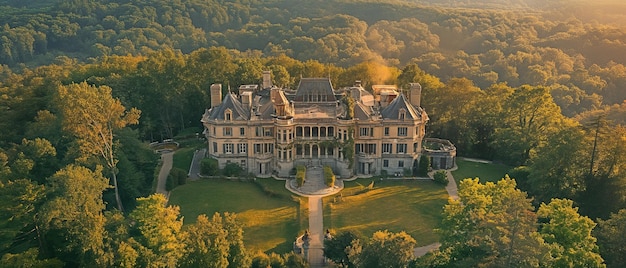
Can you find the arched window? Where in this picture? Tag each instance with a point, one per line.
(401, 114)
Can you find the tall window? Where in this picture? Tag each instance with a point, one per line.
(364, 132)
(242, 148)
(401, 114)
(228, 131)
(227, 115)
(401, 148)
(402, 131)
(386, 131)
(387, 148)
(385, 163)
(242, 131)
(214, 147)
(401, 163)
(228, 148)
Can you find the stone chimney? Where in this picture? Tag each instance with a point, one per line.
(416, 94)
(246, 98)
(216, 95)
(267, 79)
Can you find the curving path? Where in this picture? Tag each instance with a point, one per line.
(166, 166)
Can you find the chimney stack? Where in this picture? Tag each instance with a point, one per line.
(267, 79)
(416, 94)
(216, 95)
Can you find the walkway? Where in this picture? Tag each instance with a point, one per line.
(166, 166)
(316, 232)
(194, 168)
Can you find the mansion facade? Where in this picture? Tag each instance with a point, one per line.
(269, 131)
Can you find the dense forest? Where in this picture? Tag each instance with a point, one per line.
(85, 85)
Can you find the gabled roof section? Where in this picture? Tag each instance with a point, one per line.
(230, 102)
(315, 90)
(400, 103)
(361, 111)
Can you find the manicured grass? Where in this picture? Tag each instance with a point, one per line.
(395, 205)
(184, 155)
(484, 171)
(271, 217)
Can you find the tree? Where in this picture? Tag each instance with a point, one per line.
(18, 209)
(610, 234)
(73, 217)
(336, 248)
(529, 118)
(387, 249)
(560, 168)
(209, 167)
(568, 235)
(237, 254)
(161, 241)
(92, 115)
(424, 166)
(206, 243)
(491, 224)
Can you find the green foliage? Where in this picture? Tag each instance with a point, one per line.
(386, 249)
(160, 242)
(28, 258)
(177, 177)
(273, 260)
(441, 177)
(92, 115)
(171, 182)
(206, 244)
(529, 117)
(568, 235)
(610, 234)
(485, 212)
(232, 170)
(329, 176)
(336, 248)
(423, 166)
(73, 218)
(209, 167)
(300, 175)
(18, 207)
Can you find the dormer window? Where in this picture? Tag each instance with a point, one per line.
(228, 115)
(401, 114)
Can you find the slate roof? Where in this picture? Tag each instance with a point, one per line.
(230, 101)
(315, 90)
(392, 111)
(361, 111)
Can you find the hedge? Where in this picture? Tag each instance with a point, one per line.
(300, 174)
(329, 176)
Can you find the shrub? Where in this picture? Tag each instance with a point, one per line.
(329, 176)
(171, 182)
(424, 165)
(179, 175)
(209, 167)
(300, 173)
(441, 177)
(232, 170)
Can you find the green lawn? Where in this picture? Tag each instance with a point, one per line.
(395, 205)
(272, 218)
(184, 155)
(484, 171)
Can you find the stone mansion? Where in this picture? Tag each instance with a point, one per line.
(269, 130)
